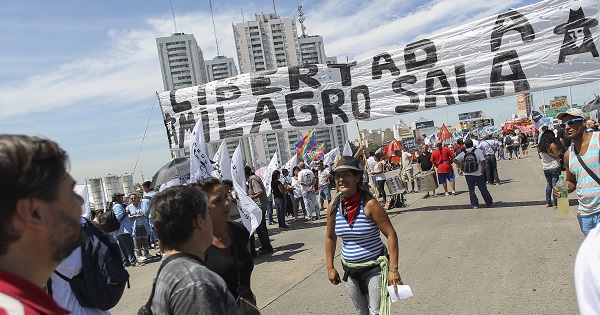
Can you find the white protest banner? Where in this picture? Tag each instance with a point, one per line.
(200, 166)
(289, 165)
(273, 165)
(545, 45)
(250, 212)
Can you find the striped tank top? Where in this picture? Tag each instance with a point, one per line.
(588, 191)
(361, 241)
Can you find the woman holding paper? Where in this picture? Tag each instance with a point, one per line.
(357, 218)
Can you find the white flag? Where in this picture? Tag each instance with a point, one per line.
(82, 190)
(347, 149)
(250, 212)
(273, 165)
(200, 166)
(329, 157)
(291, 163)
(222, 163)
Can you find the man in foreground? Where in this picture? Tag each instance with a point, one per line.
(40, 221)
(185, 285)
(586, 145)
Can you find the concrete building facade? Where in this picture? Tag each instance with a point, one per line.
(219, 68)
(181, 61)
(312, 50)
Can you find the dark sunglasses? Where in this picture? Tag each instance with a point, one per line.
(573, 121)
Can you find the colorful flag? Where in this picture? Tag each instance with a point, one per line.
(319, 153)
(444, 133)
(458, 134)
(306, 144)
(200, 166)
(250, 212)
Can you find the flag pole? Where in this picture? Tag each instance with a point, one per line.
(373, 188)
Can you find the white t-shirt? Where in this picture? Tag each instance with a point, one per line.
(371, 163)
(377, 168)
(587, 273)
(406, 161)
(323, 176)
(307, 177)
(478, 155)
(297, 187)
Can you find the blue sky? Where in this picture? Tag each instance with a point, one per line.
(85, 73)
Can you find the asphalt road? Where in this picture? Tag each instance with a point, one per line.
(514, 258)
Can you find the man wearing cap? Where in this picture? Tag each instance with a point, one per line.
(586, 149)
(123, 234)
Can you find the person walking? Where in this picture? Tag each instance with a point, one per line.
(357, 218)
(140, 227)
(307, 181)
(297, 199)
(489, 148)
(257, 191)
(524, 141)
(424, 164)
(585, 149)
(508, 143)
(123, 234)
(474, 166)
(379, 177)
(500, 148)
(516, 141)
(550, 156)
(406, 171)
(324, 183)
(279, 191)
(442, 157)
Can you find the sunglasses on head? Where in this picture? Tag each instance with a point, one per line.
(573, 121)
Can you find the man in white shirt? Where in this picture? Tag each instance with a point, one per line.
(307, 180)
(474, 178)
(406, 170)
(324, 185)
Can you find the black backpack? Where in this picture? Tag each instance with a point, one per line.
(508, 140)
(470, 163)
(101, 282)
(108, 221)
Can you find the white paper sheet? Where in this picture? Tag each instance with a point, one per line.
(404, 292)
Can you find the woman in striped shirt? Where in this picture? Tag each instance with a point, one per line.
(357, 218)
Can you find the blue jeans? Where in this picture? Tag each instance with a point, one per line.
(478, 181)
(270, 212)
(369, 303)
(551, 179)
(491, 169)
(126, 246)
(588, 222)
(280, 204)
(501, 153)
(325, 192)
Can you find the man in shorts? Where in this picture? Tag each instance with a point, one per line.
(406, 170)
(324, 184)
(442, 158)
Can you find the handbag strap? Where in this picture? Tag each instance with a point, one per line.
(162, 265)
(235, 257)
(587, 169)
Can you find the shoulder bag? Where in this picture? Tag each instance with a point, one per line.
(587, 169)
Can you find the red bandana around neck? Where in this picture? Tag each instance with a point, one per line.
(352, 205)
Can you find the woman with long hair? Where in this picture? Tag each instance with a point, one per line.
(279, 191)
(357, 218)
(229, 253)
(550, 156)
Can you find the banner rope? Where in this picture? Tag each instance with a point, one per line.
(144, 137)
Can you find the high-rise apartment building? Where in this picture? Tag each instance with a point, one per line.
(181, 61)
(269, 42)
(312, 50)
(219, 68)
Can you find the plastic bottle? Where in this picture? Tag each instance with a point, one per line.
(563, 198)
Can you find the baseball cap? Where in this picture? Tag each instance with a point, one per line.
(117, 194)
(347, 163)
(577, 112)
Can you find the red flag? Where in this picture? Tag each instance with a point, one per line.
(444, 133)
(389, 149)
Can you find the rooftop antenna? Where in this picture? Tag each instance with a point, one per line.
(274, 10)
(301, 20)
(243, 20)
(214, 28)
(173, 14)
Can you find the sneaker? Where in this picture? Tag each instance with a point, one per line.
(496, 184)
(475, 207)
(454, 193)
(447, 194)
(491, 205)
(138, 264)
(262, 251)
